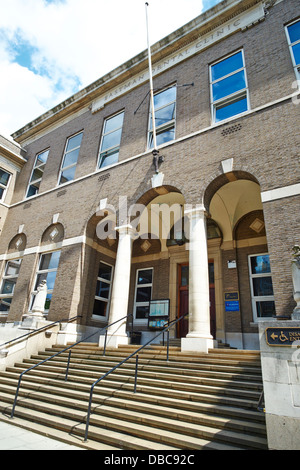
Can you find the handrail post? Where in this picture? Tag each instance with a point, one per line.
(68, 365)
(168, 344)
(104, 348)
(136, 372)
(16, 396)
(88, 414)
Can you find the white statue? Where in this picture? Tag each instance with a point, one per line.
(38, 307)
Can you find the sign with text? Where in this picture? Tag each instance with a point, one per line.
(282, 336)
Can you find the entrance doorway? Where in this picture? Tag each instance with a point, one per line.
(183, 299)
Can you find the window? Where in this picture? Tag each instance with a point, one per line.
(4, 180)
(263, 304)
(9, 281)
(111, 140)
(37, 173)
(143, 293)
(165, 115)
(67, 172)
(229, 92)
(47, 271)
(103, 291)
(293, 35)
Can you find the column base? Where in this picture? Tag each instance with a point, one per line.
(197, 343)
(113, 341)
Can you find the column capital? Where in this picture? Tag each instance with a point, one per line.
(126, 230)
(195, 211)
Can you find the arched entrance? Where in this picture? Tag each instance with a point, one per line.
(234, 203)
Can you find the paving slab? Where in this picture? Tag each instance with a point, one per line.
(16, 438)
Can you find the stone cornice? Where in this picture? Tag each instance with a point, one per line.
(11, 151)
(203, 24)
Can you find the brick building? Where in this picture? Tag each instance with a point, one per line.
(227, 127)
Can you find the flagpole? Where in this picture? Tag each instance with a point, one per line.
(155, 151)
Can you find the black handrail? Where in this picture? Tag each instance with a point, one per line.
(122, 362)
(39, 330)
(56, 354)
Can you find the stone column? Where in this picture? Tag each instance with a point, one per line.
(199, 337)
(116, 334)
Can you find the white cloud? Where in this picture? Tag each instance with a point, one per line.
(75, 42)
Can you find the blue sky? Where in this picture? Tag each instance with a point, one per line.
(50, 49)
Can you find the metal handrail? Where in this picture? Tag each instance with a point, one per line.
(136, 368)
(39, 330)
(57, 354)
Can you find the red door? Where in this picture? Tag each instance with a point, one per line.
(183, 299)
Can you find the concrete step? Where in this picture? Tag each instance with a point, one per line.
(130, 407)
(162, 373)
(118, 379)
(166, 431)
(192, 401)
(122, 396)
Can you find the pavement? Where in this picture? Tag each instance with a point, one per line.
(16, 438)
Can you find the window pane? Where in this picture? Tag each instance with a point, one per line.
(294, 32)
(4, 177)
(105, 271)
(260, 264)
(262, 286)
(37, 174)
(71, 158)
(48, 277)
(164, 115)
(109, 158)
(184, 276)
(102, 289)
(143, 294)
(100, 308)
(229, 85)
(8, 286)
(68, 175)
(74, 142)
(33, 189)
(145, 276)
(296, 52)
(113, 123)
(111, 140)
(50, 260)
(231, 109)
(265, 309)
(227, 66)
(5, 305)
(142, 312)
(1, 192)
(42, 157)
(162, 137)
(13, 267)
(165, 97)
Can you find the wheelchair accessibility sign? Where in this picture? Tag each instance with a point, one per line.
(282, 336)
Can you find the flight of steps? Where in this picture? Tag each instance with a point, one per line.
(192, 402)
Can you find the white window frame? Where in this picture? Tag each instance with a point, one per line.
(254, 298)
(233, 96)
(62, 168)
(141, 304)
(3, 186)
(163, 127)
(103, 299)
(291, 44)
(103, 135)
(36, 167)
(43, 271)
(7, 277)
